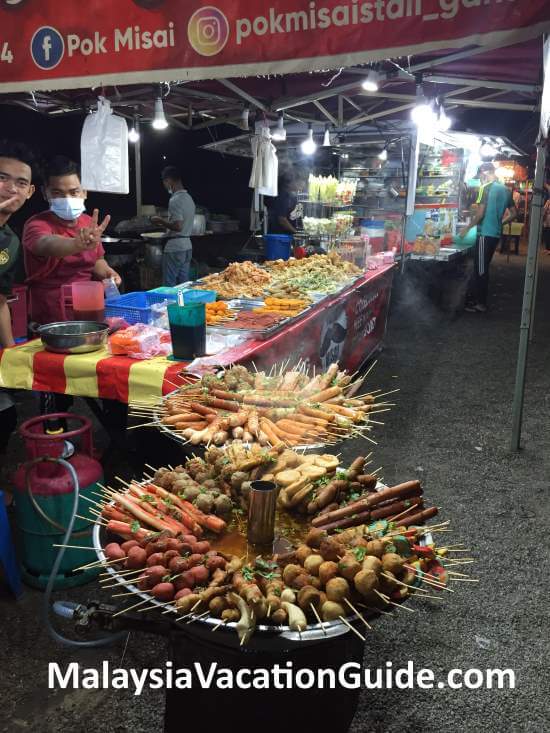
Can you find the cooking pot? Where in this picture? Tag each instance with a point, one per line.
(73, 337)
(199, 225)
(153, 255)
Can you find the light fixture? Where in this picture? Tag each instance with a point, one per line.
(444, 122)
(422, 113)
(371, 83)
(309, 146)
(279, 133)
(326, 138)
(345, 156)
(159, 120)
(244, 117)
(133, 135)
(383, 154)
(487, 150)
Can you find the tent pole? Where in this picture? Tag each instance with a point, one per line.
(528, 294)
(137, 162)
(537, 272)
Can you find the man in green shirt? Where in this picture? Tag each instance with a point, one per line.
(493, 201)
(15, 188)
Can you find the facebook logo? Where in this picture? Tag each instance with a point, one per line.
(47, 47)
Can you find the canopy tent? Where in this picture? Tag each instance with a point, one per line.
(199, 52)
(102, 42)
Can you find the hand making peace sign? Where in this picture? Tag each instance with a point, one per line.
(90, 237)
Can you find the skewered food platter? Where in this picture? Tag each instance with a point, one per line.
(162, 553)
(282, 407)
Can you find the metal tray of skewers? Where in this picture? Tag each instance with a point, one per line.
(314, 631)
(178, 438)
(262, 334)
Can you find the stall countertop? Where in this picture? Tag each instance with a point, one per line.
(446, 254)
(100, 375)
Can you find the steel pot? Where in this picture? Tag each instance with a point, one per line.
(153, 256)
(73, 337)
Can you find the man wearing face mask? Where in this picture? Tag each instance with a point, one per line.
(178, 251)
(62, 245)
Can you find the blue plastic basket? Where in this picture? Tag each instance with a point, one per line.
(135, 307)
(191, 297)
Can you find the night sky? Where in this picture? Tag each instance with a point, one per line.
(220, 183)
(217, 182)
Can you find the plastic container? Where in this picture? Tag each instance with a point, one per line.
(17, 303)
(135, 307)
(277, 246)
(375, 231)
(190, 297)
(88, 300)
(188, 330)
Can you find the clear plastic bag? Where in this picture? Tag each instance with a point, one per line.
(104, 151)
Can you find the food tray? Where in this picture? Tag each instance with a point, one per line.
(180, 439)
(314, 632)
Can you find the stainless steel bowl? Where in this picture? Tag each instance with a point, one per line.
(73, 337)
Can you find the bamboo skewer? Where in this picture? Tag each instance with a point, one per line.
(358, 614)
(318, 619)
(125, 610)
(352, 628)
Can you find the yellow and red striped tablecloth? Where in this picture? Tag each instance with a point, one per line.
(97, 374)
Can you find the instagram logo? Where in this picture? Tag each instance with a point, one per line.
(208, 30)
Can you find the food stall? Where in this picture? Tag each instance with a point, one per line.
(354, 548)
(347, 324)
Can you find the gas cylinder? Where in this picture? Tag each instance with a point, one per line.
(44, 499)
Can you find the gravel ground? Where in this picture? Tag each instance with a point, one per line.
(451, 427)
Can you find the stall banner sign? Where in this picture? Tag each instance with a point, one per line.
(45, 46)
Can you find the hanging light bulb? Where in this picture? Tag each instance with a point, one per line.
(159, 120)
(279, 133)
(309, 146)
(443, 121)
(422, 113)
(383, 154)
(371, 83)
(133, 135)
(326, 138)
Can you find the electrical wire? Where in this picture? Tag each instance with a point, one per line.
(66, 608)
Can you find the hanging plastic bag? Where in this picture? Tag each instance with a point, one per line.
(104, 151)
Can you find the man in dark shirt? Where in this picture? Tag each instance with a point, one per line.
(285, 213)
(15, 188)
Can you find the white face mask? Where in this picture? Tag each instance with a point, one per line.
(68, 208)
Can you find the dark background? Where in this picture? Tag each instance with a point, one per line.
(216, 181)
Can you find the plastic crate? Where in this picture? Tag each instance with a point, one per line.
(134, 307)
(17, 303)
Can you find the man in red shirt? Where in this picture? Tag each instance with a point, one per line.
(62, 245)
